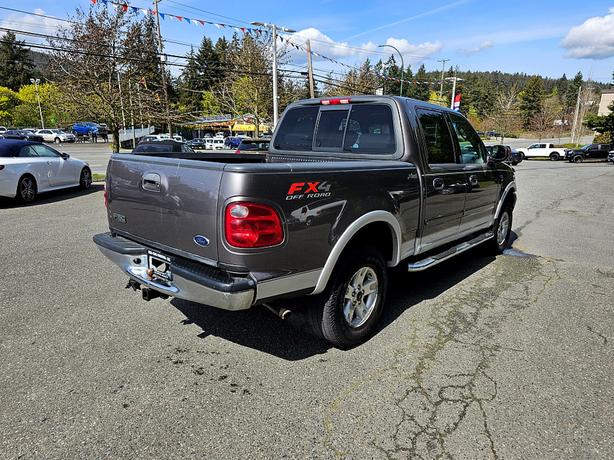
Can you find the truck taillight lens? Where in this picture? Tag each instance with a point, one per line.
(106, 196)
(251, 225)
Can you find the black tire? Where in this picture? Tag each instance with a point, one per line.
(514, 163)
(501, 240)
(578, 159)
(327, 317)
(26, 189)
(522, 156)
(57, 140)
(85, 178)
(555, 156)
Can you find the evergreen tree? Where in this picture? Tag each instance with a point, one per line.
(16, 67)
(421, 88)
(571, 95)
(531, 100)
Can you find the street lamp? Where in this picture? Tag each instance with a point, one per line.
(274, 28)
(36, 82)
(402, 64)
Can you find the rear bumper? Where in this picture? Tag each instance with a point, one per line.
(190, 281)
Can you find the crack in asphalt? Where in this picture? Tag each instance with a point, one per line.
(603, 337)
(434, 407)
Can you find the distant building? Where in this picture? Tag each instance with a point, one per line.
(607, 98)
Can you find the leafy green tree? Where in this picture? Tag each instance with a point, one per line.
(603, 124)
(531, 100)
(16, 67)
(8, 101)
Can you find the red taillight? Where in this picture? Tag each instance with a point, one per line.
(251, 225)
(106, 196)
(237, 151)
(338, 101)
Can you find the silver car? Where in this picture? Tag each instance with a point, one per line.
(55, 135)
(28, 168)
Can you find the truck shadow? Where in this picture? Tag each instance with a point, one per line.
(51, 197)
(259, 329)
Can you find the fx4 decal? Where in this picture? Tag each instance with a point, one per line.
(308, 189)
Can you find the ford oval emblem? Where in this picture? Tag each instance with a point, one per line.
(201, 240)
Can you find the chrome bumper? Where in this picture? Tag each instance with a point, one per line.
(133, 262)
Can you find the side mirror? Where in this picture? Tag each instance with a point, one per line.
(498, 154)
(66, 156)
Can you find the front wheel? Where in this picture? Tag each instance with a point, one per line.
(348, 311)
(502, 230)
(554, 156)
(578, 159)
(85, 180)
(57, 140)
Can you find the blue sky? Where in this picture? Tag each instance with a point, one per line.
(547, 37)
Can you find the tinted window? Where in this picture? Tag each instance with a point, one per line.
(44, 151)
(8, 150)
(27, 151)
(436, 137)
(370, 130)
(296, 129)
(331, 128)
(472, 150)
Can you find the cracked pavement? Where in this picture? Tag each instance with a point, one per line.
(481, 357)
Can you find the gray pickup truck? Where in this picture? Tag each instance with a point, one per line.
(349, 187)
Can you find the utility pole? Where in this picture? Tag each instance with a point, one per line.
(131, 114)
(310, 70)
(163, 67)
(121, 101)
(453, 79)
(36, 82)
(273, 29)
(443, 69)
(575, 117)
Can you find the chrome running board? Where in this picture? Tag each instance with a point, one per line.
(453, 251)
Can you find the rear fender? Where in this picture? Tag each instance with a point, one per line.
(348, 234)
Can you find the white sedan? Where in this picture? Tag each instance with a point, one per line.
(28, 168)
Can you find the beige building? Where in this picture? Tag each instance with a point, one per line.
(607, 98)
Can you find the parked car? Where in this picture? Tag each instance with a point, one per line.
(85, 128)
(197, 144)
(214, 143)
(235, 235)
(253, 145)
(611, 157)
(543, 151)
(2, 129)
(232, 142)
(55, 135)
(22, 134)
(28, 168)
(166, 145)
(588, 152)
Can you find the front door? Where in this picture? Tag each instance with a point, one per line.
(444, 181)
(61, 173)
(483, 180)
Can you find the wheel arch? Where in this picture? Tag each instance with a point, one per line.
(508, 194)
(373, 222)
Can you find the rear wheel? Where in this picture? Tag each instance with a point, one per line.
(347, 313)
(26, 189)
(554, 156)
(85, 180)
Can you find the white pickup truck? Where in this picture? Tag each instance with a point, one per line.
(543, 151)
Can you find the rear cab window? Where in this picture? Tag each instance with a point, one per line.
(360, 128)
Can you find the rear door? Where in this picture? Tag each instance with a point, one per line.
(165, 202)
(482, 179)
(444, 183)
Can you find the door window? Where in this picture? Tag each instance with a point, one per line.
(331, 129)
(44, 151)
(437, 137)
(27, 152)
(472, 150)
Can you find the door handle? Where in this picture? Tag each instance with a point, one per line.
(438, 184)
(151, 182)
(473, 180)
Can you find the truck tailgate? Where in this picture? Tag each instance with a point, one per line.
(169, 201)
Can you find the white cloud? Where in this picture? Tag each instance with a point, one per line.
(31, 23)
(323, 44)
(486, 44)
(593, 39)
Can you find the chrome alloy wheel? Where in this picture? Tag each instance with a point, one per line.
(360, 297)
(26, 189)
(504, 227)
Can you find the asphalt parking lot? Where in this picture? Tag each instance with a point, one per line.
(481, 357)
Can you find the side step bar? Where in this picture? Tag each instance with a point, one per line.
(453, 251)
